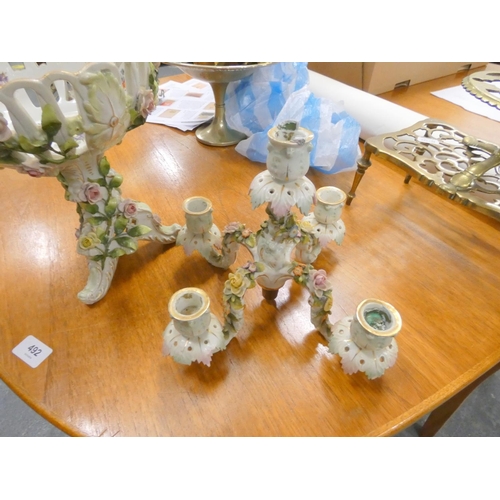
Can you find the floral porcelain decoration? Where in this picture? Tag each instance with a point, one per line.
(68, 140)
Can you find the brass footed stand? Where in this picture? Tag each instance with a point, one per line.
(464, 168)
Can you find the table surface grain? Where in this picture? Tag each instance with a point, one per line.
(435, 261)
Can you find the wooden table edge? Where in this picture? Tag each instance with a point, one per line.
(40, 409)
(439, 398)
(387, 430)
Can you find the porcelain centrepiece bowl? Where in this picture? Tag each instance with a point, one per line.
(217, 132)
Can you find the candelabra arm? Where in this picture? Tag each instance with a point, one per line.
(223, 256)
(234, 234)
(235, 288)
(320, 300)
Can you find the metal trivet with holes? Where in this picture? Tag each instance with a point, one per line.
(484, 85)
(439, 155)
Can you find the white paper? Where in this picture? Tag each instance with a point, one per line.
(458, 95)
(32, 351)
(184, 105)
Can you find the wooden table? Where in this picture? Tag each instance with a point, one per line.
(435, 261)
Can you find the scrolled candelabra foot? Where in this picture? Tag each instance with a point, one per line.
(100, 277)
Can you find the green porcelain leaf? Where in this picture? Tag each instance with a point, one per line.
(251, 241)
(127, 242)
(95, 221)
(69, 145)
(106, 109)
(120, 224)
(138, 230)
(117, 252)
(110, 207)
(50, 123)
(91, 209)
(32, 146)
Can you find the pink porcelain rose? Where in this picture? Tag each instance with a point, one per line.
(32, 167)
(145, 102)
(128, 207)
(90, 192)
(232, 227)
(320, 280)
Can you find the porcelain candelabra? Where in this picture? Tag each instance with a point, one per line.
(283, 248)
(57, 120)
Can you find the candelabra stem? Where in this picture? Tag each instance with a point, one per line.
(269, 294)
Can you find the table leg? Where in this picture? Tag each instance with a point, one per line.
(440, 415)
(363, 163)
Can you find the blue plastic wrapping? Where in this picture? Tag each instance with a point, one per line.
(281, 92)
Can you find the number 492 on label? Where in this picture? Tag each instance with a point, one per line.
(32, 351)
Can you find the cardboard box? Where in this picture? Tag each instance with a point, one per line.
(379, 77)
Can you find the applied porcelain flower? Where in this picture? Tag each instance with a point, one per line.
(305, 226)
(232, 227)
(145, 102)
(90, 192)
(129, 208)
(237, 283)
(107, 111)
(326, 232)
(320, 280)
(88, 241)
(251, 266)
(31, 166)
